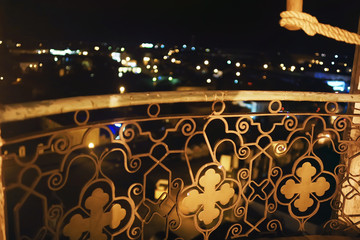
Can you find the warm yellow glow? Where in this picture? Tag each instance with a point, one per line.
(156, 71)
(91, 145)
(206, 62)
(18, 45)
(18, 80)
(302, 68)
(266, 66)
(237, 64)
(170, 78)
(155, 67)
(161, 189)
(1, 78)
(165, 57)
(216, 70)
(40, 64)
(122, 49)
(225, 161)
(146, 59)
(96, 48)
(310, 65)
(148, 66)
(198, 67)
(337, 70)
(154, 79)
(283, 68)
(173, 60)
(321, 63)
(326, 69)
(282, 65)
(238, 73)
(208, 80)
(85, 53)
(127, 58)
(292, 68)
(345, 64)
(122, 89)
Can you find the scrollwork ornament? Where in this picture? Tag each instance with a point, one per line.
(135, 189)
(276, 171)
(174, 225)
(177, 183)
(271, 208)
(242, 125)
(55, 181)
(189, 127)
(281, 148)
(341, 123)
(343, 147)
(244, 152)
(336, 204)
(127, 133)
(336, 225)
(55, 213)
(234, 231)
(239, 211)
(134, 232)
(290, 123)
(243, 174)
(274, 225)
(134, 165)
(340, 169)
(61, 143)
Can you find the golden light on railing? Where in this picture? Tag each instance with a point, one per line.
(200, 169)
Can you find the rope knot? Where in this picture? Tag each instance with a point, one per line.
(300, 19)
(295, 20)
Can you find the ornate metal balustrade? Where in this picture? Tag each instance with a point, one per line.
(181, 165)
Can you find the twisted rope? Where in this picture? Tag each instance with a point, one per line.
(311, 26)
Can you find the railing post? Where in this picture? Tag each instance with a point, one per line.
(352, 206)
(2, 197)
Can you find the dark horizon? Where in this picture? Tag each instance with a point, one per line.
(226, 24)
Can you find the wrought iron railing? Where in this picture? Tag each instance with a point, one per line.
(181, 165)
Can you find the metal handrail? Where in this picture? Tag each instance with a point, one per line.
(17, 112)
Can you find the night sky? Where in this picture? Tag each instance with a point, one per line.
(223, 23)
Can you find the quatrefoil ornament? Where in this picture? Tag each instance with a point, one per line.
(305, 188)
(210, 195)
